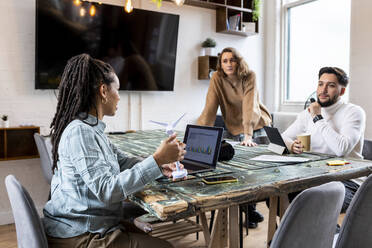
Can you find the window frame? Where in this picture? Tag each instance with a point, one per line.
(287, 105)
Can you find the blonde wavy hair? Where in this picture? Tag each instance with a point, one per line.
(242, 70)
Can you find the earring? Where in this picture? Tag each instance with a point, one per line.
(104, 100)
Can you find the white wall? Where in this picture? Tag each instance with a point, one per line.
(25, 105)
(272, 55)
(361, 58)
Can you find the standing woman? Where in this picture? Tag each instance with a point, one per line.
(233, 88)
(91, 176)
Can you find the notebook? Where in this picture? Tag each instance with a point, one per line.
(275, 137)
(202, 148)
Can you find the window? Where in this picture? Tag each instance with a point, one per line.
(316, 34)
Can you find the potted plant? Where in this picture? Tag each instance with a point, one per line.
(208, 46)
(256, 10)
(250, 27)
(5, 121)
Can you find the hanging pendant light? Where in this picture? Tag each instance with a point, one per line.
(128, 7)
(179, 2)
(77, 2)
(82, 11)
(92, 10)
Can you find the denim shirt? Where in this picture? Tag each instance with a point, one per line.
(92, 179)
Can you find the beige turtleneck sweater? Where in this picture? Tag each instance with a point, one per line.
(239, 102)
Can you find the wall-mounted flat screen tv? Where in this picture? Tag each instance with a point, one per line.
(140, 46)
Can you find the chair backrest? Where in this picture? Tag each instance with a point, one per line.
(356, 227)
(282, 120)
(219, 122)
(310, 221)
(261, 140)
(30, 230)
(44, 146)
(367, 149)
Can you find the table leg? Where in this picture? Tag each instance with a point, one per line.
(219, 231)
(284, 203)
(207, 235)
(233, 226)
(272, 218)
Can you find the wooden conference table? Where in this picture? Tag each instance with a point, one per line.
(257, 181)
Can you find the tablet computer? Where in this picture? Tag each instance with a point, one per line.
(275, 137)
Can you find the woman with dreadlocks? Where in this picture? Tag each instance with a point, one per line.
(91, 176)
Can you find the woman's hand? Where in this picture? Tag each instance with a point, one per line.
(297, 147)
(167, 169)
(248, 141)
(169, 151)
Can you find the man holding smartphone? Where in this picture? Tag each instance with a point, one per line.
(336, 127)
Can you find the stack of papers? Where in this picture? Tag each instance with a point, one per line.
(280, 159)
(233, 143)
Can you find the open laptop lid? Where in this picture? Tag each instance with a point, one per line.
(275, 137)
(202, 145)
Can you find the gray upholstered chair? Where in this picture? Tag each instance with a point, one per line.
(367, 149)
(282, 120)
(311, 218)
(30, 230)
(356, 228)
(44, 146)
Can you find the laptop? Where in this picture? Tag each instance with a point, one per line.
(203, 147)
(275, 137)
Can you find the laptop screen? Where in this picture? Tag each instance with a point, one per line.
(203, 144)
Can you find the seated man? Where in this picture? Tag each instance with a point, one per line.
(336, 127)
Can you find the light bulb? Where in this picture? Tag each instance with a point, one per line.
(77, 2)
(82, 11)
(128, 7)
(179, 2)
(92, 10)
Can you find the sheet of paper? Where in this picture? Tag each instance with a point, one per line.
(233, 143)
(278, 158)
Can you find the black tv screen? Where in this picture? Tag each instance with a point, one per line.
(141, 46)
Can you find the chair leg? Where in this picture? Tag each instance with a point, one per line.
(197, 222)
(246, 219)
(241, 226)
(211, 221)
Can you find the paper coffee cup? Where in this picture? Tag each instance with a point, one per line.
(305, 141)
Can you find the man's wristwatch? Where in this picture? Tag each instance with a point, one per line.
(317, 118)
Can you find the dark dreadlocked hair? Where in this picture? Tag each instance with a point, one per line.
(78, 90)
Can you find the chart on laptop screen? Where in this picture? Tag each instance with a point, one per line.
(201, 145)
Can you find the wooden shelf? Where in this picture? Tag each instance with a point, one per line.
(18, 143)
(237, 32)
(224, 25)
(224, 10)
(206, 64)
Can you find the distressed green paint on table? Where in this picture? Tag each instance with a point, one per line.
(256, 180)
(141, 143)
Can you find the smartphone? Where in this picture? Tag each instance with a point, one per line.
(215, 180)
